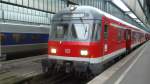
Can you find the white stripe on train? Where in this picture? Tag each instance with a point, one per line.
(91, 60)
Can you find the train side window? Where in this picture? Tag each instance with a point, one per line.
(35, 37)
(93, 31)
(2, 38)
(105, 31)
(127, 36)
(134, 36)
(96, 32)
(120, 35)
(16, 37)
(123, 35)
(97, 37)
(23, 37)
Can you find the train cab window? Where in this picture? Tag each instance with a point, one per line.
(80, 31)
(93, 31)
(97, 37)
(73, 33)
(96, 32)
(61, 31)
(105, 31)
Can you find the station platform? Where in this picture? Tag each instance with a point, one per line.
(14, 71)
(133, 69)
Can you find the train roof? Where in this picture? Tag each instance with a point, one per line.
(97, 13)
(25, 25)
(23, 28)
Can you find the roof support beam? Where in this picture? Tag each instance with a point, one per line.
(135, 7)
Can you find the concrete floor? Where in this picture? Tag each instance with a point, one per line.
(137, 71)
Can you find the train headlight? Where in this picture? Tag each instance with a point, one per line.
(53, 50)
(72, 8)
(84, 52)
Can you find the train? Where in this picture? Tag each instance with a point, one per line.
(84, 38)
(22, 39)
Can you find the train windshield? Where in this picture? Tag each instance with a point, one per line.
(61, 31)
(80, 31)
(73, 31)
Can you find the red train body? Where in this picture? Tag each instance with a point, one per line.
(93, 38)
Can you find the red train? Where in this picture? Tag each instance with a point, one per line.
(83, 38)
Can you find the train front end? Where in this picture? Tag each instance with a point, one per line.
(74, 41)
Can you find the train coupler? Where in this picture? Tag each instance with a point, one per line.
(68, 67)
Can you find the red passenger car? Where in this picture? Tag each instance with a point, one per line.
(83, 38)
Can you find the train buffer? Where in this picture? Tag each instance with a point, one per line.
(133, 69)
(14, 71)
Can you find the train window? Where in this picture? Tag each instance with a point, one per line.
(127, 36)
(34, 37)
(137, 36)
(80, 31)
(61, 31)
(97, 37)
(2, 37)
(23, 37)
(93, 31)
(120, 35)
(105, 31)
(73, 33)
(96, 32)
(133, 36)
(16, 37)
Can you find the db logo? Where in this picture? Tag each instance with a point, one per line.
(67, 51)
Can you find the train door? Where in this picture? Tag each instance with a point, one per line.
(128, 39)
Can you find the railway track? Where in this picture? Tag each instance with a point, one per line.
(59, 78)
(28, 71)
(38, 77)
(13, 71)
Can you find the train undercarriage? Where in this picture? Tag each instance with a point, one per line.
(79, 69)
